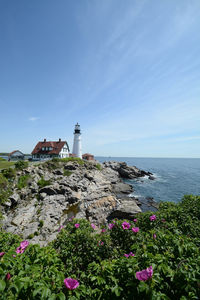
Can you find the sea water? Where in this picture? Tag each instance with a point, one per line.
(174, 177)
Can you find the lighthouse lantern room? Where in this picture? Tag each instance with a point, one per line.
(77, 151)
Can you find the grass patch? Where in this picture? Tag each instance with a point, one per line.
(23, 181)
(99, 167)
(6, 164)
(68, 159)
(67, 172)
(42, 182)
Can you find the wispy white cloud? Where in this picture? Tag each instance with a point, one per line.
(33, 119)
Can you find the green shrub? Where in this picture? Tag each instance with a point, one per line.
(21, 165)
(42, 182)
(98, 166)
(76, 159)
(96, 259)
(9, 173)
(41, 223)
(4, 189)
(23, 181)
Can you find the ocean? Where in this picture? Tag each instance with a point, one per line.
(175, 177)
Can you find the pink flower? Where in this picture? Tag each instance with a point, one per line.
(135, 229)
(20, 250)
(71, 283)
(8, 276)
(100, 243)
(22, 247)
(154, 236)
(152, 218)
(135, 220)
(77, 225)
(2, 254)
(144, 274)
(111, 225)
(60, 228)
(163, 220)
(93, 226)
(130, 254)
(103, 230)
(24, 244)
(126, 225)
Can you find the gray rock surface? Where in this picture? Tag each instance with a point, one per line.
(87, 192)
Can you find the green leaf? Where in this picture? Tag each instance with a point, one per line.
(45, 293)
(61, 296)
(2, 285)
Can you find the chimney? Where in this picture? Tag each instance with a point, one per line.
(45, 140)
(59, 140)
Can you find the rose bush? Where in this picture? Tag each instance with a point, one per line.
(159, 259)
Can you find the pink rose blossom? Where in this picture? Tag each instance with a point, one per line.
(24, 244)
(154, 236)
(145, 274)
(77, 225)
(71, 283)
(126, 255)
(103, 230)
(126, 225)
(135, 229)
(8, 276)
(152, 218)
(22, 247)
(93, 226)
(2, 254)
(111, 225)
(135, 220)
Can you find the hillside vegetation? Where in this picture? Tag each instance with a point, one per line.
(155, 256)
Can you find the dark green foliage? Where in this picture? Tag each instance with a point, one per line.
(21, 165)
(23, 181)
(9, 173)
(41, 223)
(42, 182)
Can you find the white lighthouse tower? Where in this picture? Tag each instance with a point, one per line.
(77, 150)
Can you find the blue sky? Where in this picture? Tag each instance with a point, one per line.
(127, 71)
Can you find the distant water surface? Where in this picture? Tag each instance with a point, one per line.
(175, 177)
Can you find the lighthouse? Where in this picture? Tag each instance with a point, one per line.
(77, 151)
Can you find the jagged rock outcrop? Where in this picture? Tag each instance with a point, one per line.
(125, 171)
(56, 191)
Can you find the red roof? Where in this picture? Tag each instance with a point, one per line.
(57, 147)
(14, 152)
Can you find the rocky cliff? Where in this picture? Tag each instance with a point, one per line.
(56, 191)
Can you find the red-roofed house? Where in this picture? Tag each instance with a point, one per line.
(49, 149)
(15, 155)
